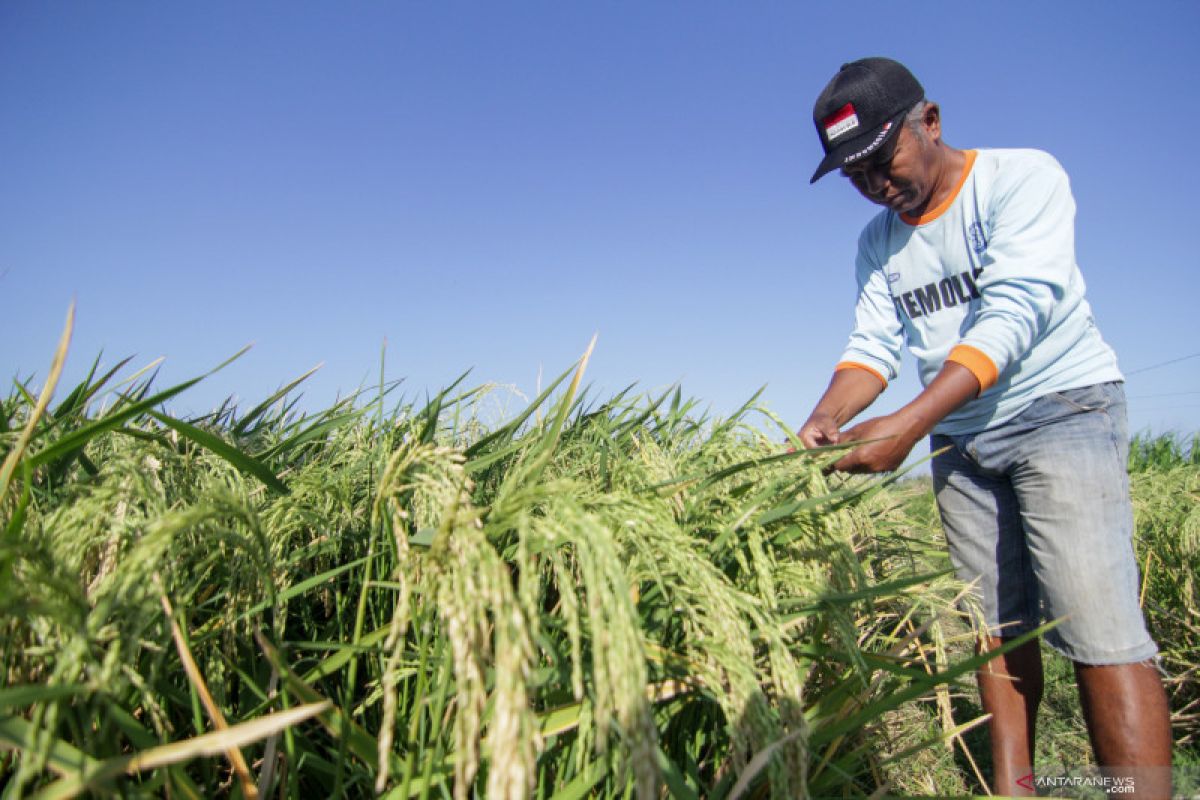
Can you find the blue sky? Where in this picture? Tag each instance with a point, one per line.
(486, 185)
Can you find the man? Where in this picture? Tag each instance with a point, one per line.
(972, 266)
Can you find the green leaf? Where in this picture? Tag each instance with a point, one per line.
(304, 586)
(674, 779)
(63, 758)
(509, 430)
(215, 743)
(79, 397)
(20, 696)
(581, 787)
(215, 444)
(260, 409)
(808, 605)
(78, 438)
(314, 431)
(423, 537)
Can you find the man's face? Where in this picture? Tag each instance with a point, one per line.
(900, 175)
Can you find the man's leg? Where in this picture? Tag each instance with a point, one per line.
(1129, 722)
(1010, 689)
(981, 517)
(1072, 484)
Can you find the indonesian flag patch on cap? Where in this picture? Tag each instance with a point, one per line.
(840, 122)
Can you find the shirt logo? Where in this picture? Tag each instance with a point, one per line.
(979, 240)
(840, 122)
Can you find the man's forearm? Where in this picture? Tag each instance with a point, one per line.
(951, 388)
(850, 391)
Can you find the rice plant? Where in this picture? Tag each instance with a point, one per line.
(602, 598)
(1165, 481)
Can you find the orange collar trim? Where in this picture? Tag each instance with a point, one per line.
(934, 213)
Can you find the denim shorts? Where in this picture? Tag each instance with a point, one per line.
(1037, 514)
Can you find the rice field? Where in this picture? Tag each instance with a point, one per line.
(599, 597)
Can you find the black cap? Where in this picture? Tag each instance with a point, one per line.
(861, 108)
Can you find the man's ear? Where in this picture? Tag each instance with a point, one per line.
(931, 120)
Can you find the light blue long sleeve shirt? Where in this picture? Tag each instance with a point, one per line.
(988, 280)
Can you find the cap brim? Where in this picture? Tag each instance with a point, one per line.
(860, 147)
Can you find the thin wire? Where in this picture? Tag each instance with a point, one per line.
(1163, 364)
(1164, 394)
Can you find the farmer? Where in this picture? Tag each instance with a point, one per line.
(971, 264)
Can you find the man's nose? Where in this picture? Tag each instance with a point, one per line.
(876, 180)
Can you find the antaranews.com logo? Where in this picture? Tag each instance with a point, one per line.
(1107, 782)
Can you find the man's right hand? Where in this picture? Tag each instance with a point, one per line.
(849, 392)
(820, 430)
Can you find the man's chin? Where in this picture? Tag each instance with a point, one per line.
(900, 204)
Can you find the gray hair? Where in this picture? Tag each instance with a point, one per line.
(916, 114)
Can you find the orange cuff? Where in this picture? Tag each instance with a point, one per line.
(853, 365)
(978, 362)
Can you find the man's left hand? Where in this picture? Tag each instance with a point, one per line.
(898, 435)
(900, 431)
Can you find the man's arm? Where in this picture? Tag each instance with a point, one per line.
(871, 357)
(899, 432)
(849, 392)
(1028, 273)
